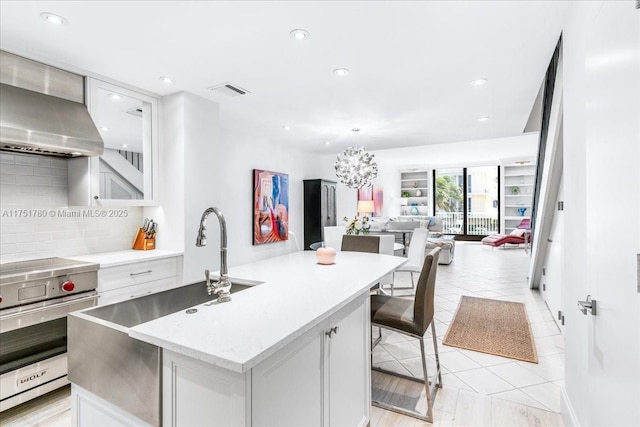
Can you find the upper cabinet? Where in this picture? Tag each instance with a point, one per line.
(127, 173)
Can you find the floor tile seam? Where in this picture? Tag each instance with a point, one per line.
(473, 390)
(537, 400)
(545, 410)
(522, 404)
(544, 380)
(523, 389)
(480, 393)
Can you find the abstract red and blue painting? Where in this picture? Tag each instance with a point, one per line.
(270, 207)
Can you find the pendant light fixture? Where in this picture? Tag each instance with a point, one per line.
(355, 167)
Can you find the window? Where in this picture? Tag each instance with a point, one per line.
(467, 200)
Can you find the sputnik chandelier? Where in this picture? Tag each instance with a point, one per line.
(355, 168)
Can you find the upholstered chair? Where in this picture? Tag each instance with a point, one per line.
(412, 317)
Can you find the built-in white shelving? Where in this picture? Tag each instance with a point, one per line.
(415, 195)
(518, 180)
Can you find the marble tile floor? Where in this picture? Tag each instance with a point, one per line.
(479, 389)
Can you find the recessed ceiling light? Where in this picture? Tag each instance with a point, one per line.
(287, 127)
(115, 97)
(341, 72)
(327, 143)
(76, 153)
(299, 34)
(166, 79)
(104, 128)
(483, 119)
(123, 145)
(479, 82)
(52, 18)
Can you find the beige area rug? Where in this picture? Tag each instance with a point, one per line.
(491, 326)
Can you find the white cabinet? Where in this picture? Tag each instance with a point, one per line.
(290, 385)
(518, 180)
(87, 409)
(322, 377)
(415, 194)
(195, 393)
(127, 172)
(350, 367)
(122, 282)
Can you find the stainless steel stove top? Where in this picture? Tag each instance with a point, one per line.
(28, 282)
(42, 268)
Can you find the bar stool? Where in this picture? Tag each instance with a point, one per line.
(412, 318)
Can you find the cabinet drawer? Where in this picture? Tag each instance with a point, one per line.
(133, 274)
(135, 291)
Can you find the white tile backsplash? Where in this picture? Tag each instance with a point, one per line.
(35, 221)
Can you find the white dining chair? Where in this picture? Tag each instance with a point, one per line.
(416, 256)
(333, 236)
(293, 242)
(387, 245)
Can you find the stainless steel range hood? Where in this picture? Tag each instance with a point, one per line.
(42, 110)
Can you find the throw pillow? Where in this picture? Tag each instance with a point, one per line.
(518, 232)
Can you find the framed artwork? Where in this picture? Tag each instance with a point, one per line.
(374, 193)
(270, 207)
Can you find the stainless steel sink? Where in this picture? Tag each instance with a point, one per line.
(106, 361)
(144, 309)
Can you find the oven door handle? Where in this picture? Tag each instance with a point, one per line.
(57, 306)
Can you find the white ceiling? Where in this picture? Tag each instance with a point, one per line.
(411, 62)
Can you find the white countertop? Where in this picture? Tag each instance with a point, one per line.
(110, 259)
(296, 295)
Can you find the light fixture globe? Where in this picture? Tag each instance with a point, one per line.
(355, 168)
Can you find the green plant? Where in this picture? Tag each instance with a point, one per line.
(357, 225)
(448, 193)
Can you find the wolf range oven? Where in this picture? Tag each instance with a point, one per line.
(35, 298)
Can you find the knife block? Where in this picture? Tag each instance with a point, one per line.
(144, 243)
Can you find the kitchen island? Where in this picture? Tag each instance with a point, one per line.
(293, 350)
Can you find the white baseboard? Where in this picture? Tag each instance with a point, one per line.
(568, 414)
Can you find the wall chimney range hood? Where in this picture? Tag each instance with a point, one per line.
(42, 110)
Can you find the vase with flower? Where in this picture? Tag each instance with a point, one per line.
(358, 225)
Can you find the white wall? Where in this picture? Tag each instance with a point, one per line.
(36, 221)
(191, 179)
(392, 162)
(202, 166)
(244, 151)
(601, 146)
(575, 197)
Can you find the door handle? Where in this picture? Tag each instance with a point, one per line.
(588, 306)
(332, 331)
(142, 272)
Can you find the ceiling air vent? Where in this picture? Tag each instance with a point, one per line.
(228, 89)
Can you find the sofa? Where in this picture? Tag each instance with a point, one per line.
(436, 238)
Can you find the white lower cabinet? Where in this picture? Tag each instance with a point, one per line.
(122, 282)
(87, 409)
(350, 368)
(198, 394)
(290, 386)
(320, 379)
